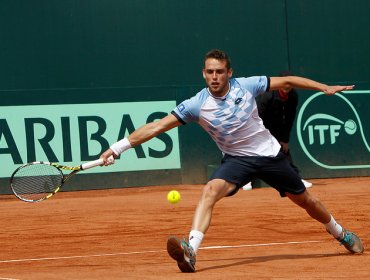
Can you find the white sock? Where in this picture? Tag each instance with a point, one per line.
(195, 239)
(334, 228)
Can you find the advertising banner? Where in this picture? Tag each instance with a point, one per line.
(75, 133)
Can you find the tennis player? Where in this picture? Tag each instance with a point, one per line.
(227, 110)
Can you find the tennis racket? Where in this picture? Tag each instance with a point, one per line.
(37, 181)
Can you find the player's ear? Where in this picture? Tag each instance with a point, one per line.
(204, 74)
(230, 72)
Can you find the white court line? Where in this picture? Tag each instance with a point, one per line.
(8, 279)
(147, 252)
(258, 245)
(80, 257)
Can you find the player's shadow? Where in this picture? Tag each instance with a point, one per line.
(261, 259)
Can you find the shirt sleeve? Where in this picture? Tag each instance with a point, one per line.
(255, 84)
(188, 110)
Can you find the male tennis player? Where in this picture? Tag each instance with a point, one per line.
(227, 110)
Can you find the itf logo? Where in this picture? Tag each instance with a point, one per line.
(331, 133)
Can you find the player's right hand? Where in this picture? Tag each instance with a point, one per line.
(108, 157)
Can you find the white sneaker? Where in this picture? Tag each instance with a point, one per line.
(247, 187)
(306, 184)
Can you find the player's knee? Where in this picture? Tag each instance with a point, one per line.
(310, 202)
(304, 200)
(213, 191)
(209, 193)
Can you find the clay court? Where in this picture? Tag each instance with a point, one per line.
(122, 233)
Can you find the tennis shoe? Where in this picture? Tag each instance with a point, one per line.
(351, 242)
(181, 252)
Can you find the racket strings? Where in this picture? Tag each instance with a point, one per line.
(36, 181)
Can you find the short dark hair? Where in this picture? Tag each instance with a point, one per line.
(219, 55)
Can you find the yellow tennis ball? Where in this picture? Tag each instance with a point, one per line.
(173, 197)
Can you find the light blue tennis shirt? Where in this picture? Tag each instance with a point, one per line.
(232, 120)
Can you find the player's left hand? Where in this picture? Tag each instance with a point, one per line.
(330, 90)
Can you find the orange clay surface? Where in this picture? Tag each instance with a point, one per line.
(122, 234)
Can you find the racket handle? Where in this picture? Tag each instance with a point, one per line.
(91, 164)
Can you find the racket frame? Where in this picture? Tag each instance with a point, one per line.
(59, 167)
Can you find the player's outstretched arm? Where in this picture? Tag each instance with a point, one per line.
(150, 130)
(139, 136)
(304, 83)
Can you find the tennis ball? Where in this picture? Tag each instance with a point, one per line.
(173, 197)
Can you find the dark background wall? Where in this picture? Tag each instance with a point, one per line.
(56, 52)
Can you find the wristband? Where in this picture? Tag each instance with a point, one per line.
(120, 146)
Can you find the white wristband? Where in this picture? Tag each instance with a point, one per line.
(120, 146)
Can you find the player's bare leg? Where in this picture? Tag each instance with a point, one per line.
(317, 210)
(312, 205)
(212, 192)
(180, 250)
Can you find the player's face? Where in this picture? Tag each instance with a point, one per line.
(217, 76)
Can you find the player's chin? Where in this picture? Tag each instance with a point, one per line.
(215, 89)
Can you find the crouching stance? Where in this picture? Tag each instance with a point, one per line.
(227, 110)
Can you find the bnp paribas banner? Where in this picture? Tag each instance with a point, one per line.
(334, 131)
(77, 133)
